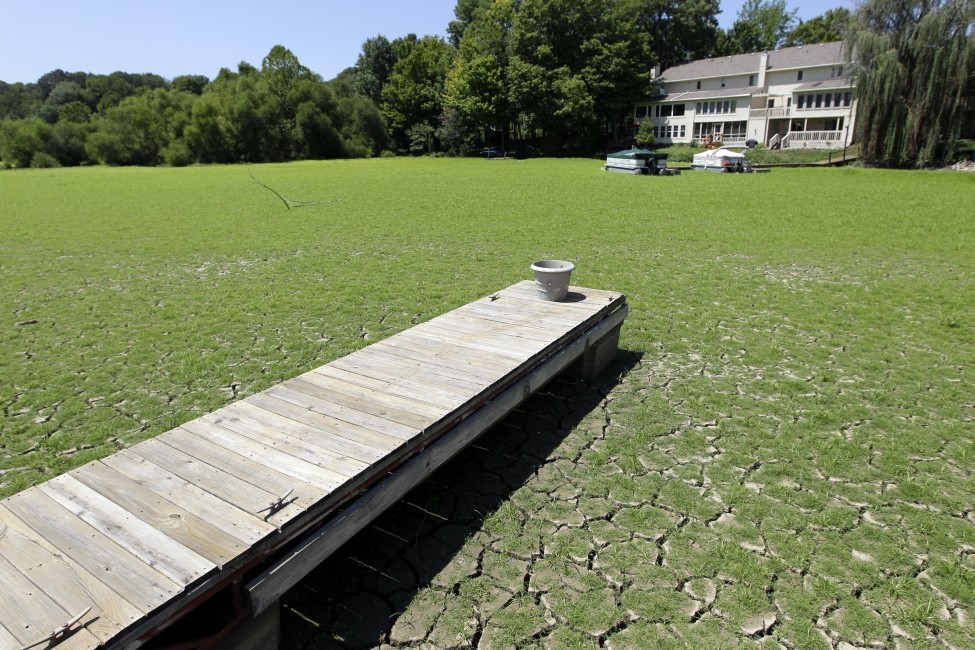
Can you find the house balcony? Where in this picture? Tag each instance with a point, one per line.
(771, 113)
(819, 112)
(813, 140)
(733, 140)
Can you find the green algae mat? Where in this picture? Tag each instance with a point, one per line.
(782, 457)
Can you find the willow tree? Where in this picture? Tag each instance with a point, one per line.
(913, 62)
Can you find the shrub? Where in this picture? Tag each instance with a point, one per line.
(644, 135)
(177, 154)
(43, 160)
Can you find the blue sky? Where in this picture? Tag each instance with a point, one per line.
(176, 37)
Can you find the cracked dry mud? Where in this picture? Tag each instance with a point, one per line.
(557, 530)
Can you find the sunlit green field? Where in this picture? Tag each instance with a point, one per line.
(797, 428)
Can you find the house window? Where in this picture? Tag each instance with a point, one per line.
(641, 112)
(710, 108)
(771, 103)
(751, 80)
(735, 129)
(799, 78)
(683, 130)
(722, 83)
(698, 85)
(788, 102)
(846, 99)
(678, 110)
(827, 99)
(801, 102)
(819, 100)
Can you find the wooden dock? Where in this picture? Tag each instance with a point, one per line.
(240, 504)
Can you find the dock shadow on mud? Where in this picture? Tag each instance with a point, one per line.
(353, 599)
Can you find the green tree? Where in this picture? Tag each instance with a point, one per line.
(131, 133)
(189, 83)
(455, 134)
(74, 112)
(210, 134)
(760, 25)
(358, 119)
(21, 140)
(576, 67)
(465, 12)
(317, 137)
(282, 71)
(50, 80)
(413, 95)
(914, 70)
(19, 100)
(829, 27)
(103, 92)
(259, 126)
(237, 119)
(644, 135)
(64, 92)
(373, 67)
(476, 88)
(68, 141)
(679, 30)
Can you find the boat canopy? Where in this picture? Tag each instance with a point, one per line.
(719, 153)
(637, 154)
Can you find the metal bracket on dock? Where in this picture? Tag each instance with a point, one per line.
(278, 503)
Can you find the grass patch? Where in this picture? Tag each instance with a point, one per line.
(795, 429)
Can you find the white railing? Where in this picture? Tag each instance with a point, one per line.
(812, 139)
(770, 112)
(774, 140)
(822, 109)
(723, 140)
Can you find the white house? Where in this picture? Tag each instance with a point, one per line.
(791, 98)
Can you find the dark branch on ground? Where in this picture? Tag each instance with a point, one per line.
(288, 203)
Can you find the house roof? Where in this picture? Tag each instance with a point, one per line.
(695, 95)
(802, 56)
(839, 82)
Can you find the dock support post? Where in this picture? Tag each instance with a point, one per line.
(596, 356)
(260, 632)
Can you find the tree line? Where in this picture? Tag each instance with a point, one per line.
(536, 76)
(282, 111)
